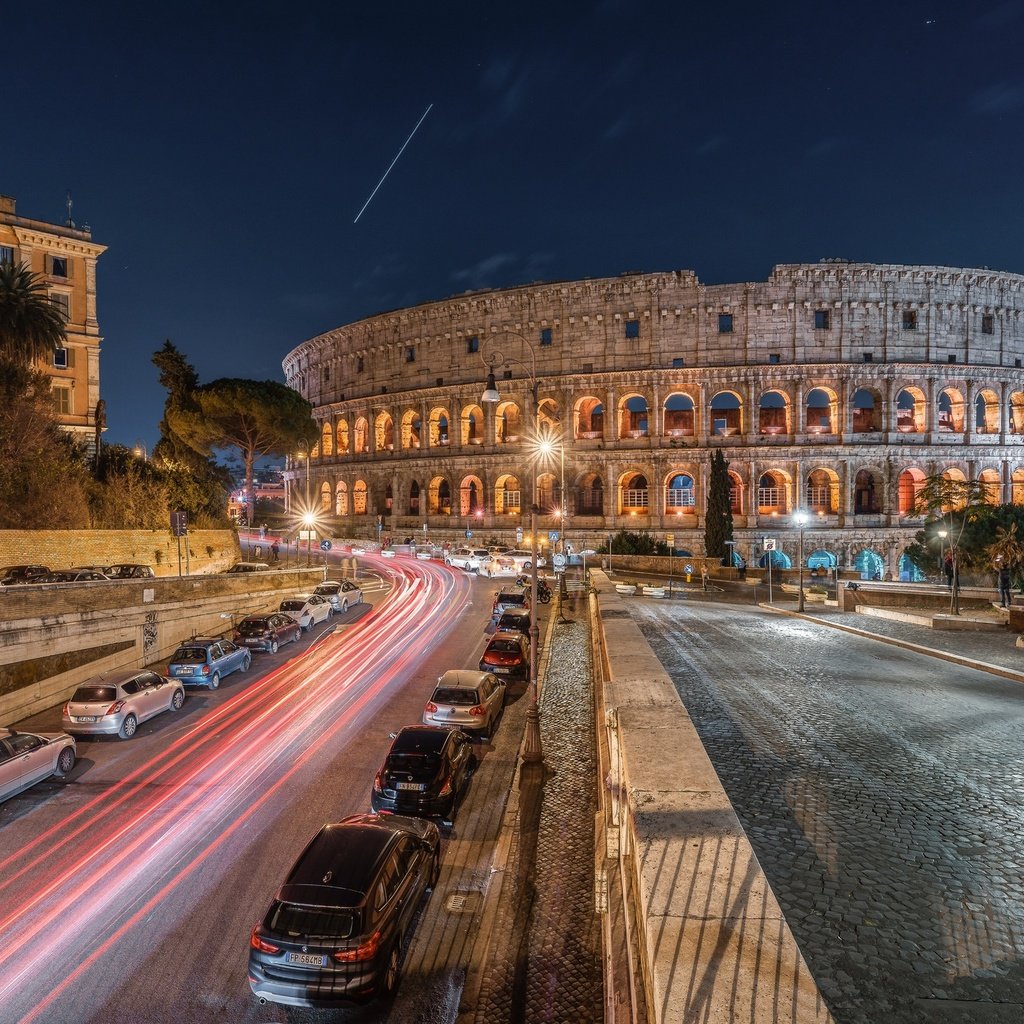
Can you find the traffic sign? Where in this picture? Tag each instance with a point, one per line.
(769, 543)
(325, 545)
(519, 535)
(558, 561)
(179, 522)
(670, 539)
(469, 533)
(552, 536)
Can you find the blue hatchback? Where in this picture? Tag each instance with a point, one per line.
(204, 661)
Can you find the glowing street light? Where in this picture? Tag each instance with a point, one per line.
(800, 518)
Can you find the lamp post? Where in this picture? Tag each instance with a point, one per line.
(954, 583)
(800, 518)
(304, 454)
(308, 520)
(533, 752)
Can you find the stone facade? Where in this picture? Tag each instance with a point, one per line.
(833, 387)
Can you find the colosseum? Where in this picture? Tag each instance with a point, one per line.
(834, 388)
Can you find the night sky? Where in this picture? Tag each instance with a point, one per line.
(222, 153)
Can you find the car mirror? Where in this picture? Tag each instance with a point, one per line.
(392, 735)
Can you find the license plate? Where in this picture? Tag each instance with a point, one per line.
(86, 718)
(307, 959)
(501, 670)
(184, 671)
(415, 786)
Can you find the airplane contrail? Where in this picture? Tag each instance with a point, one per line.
(393, 162)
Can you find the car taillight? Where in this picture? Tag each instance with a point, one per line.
(114, 708)
(367, 951)
(446, 788)
(258, 942)
(431, 706)
(67, 710)
(479, 711)
(378, 782)
(206, 670)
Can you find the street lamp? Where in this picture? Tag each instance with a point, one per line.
(308, 520)
(140, 451)
(800, 518)
(533, 752)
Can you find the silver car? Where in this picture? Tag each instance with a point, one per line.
(342, 594)
(115, 705)
(27, 758)
(307, 609)
(466, 699)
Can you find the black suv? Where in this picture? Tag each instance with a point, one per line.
(335, 931)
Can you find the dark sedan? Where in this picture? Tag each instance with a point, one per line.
(425, 773)
(266, 632)
(12, 575)
(335, 931)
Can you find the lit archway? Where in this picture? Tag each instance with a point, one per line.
(680, 495)
(773, 413)
(679, 415)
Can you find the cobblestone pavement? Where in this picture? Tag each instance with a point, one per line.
(545, 964)
(882, 791)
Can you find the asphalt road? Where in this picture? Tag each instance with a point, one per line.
(129, 890)
(883, 792)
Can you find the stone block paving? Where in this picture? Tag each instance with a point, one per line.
(883, 794)
(545, 963)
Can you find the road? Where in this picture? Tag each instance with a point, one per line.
(883, 793)
(130, 889)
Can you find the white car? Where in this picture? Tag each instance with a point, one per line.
(499, 565)
(466, 558)
(342, 594)
(27, 758)
(524, 559)
(307, 609)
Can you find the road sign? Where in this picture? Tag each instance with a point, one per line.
(325, 545)
(558, 561)
(689, 568)
(469, 533)
(552, 536)
(179, 522)
(519, 535)
(670, 539)
(769, 543)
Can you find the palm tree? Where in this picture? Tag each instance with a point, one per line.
(31, 327)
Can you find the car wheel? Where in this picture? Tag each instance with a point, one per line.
(298, 635)
(65, 760)
(128, 727)
(435, 871)
(246, 662)
(527, 566)
(389, 981)
(344, 607)
(487, 731)
(178, 698)
(214, 680)
(273, 647)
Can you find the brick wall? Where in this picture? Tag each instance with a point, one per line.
(208, 550)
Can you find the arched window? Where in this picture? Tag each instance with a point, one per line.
(471, 496)
(771, 494)
(910, 416)
(633, 420)
(327, 440)
(680, 495)
(414, 499)
(772, 413)
(589, 419)
(590, 496)
(634, 494)
(819, 412)
(359, 498)
(735, 493)
(822, 492)
(951, 411)
(725, 414)
(910, 483)
(326, 498)
(507, 496)
(679, 416)
(867, 494)
(867, 411)
(986, 412)
(341, 499)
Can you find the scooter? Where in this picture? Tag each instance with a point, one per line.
(543, 590)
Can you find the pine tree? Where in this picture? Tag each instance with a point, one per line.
(718, 520)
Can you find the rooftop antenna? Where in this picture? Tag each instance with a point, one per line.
(70, 223)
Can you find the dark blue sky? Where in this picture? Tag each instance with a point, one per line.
(223, 151)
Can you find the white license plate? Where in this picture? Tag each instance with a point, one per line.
(415, 786)
(500, 670)
(86, 718)
(184, 671)
(307, 959)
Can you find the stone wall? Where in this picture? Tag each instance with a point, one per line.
(208, 550)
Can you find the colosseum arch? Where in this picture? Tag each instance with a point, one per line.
(911, 410)
(439, 497)
(992, 486)
(773, 493)
(633, 416)
(869, 564)
(508, 423)
(549, 417)
(412, 429)
(414, 498)
(951, 411)
(384, 432)
(1017, 486)
(1017, 412)
(548, 500)
(326, 498)
(773, 413)
(736, 488)
(589, 418)
(360, 436)
(726, 413)
(680, 494)
(341, 499)
(590, 495)
(909, 486)
(341, 433)
(986, 412)
(868, 492)
(867, 411)
(438, 425)
(507, 495)
(359, 498)
(957, 475)
(472, 422)
(471, 496)
(821, 491)
(821, 407)
(327, 439)
(634, 494)
(679, 415)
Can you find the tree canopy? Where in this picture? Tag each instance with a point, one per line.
(718, 521)
(31, 326)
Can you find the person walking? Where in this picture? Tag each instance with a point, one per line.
(703, 576)
(1005, 600)
(275, 550)
(947, 568)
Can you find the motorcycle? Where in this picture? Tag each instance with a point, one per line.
(543, 590)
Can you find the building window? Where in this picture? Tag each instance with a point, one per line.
(988, 323)
(6, 255)
(359, 364)
(473, 344)
(910, 319)
(632, 328)
(545, 335)
(869, 357)
(410, 354)
(822, 320)
(327, 374)
(774, 358)
(61, 400)
(678, 362)
(725, 323)
(63, 303)
(60, 358)
(950, 359)
(58, 266)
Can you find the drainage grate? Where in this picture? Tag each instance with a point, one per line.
(463, 902)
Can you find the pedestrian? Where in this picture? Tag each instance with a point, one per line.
(263, 531)
(743, 569)
(258, 552)
(275, 550)
(1005, 600)
(703, 576)
(947, 568)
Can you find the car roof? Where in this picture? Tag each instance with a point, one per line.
(506, 634)
(515, 613)
(421, 739)
(462, 678)
(198, 641)
(116, 678)
(344, 852)
(329, 583)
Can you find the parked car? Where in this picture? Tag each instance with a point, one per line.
(267, 632)
(524, 559)
(12, 575)
(507, 654)
(465, 558)
(514, 620)
(425, 773)
(248, 567)
(499, 565)
(83, 574)
(205, 661)
(507, 599)
(307, 609)
(471, 701)
(129, 571)
(335, 930)
(28, 757)
(115, 705)
(341, 593)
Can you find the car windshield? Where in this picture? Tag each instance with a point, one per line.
(89, 694)
(248, 626)
(511, 599)
(326, 591)
(416, 763)
(310, 922)
(455, 695)
(292, 606)
(505, 646)
(195, 655)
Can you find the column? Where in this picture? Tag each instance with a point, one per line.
(611, 416)
(969, 414)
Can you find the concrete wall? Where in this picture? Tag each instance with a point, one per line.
(209, 550)
(714, 943)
